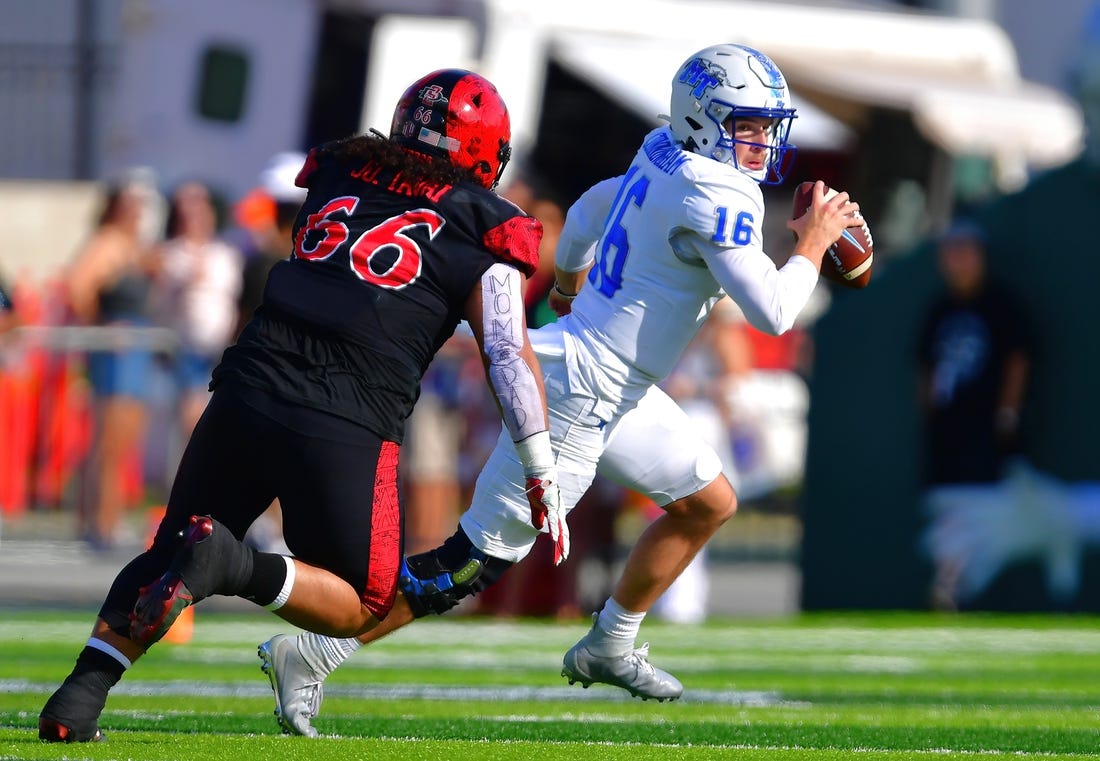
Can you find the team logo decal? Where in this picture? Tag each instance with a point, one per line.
(432, 95)
(702, 75)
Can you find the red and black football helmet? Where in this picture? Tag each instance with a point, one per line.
(459, 116)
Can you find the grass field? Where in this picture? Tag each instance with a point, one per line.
(815, 687)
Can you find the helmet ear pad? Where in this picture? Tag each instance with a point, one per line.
(698, 128)
(459, 116)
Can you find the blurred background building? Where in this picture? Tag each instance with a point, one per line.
(919, 109)
(911, 103)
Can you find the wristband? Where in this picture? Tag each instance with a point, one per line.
(536, 454)
(567, 296)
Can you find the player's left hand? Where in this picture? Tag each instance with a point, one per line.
(546, 507)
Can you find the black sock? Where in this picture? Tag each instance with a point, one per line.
(78, 702)
(267, 578)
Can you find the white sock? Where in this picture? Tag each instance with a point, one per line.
(615, 630)
(288, 586)
(325, 654)
(111, 650)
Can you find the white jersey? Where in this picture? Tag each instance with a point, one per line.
(671, 236)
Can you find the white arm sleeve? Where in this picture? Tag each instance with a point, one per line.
(770, 298)
(513, 382)
(584, 224)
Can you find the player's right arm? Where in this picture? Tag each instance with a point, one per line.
(494, 311)
(816, 227)
(574, 254)
(770, 297)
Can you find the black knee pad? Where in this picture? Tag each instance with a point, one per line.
(435, 581)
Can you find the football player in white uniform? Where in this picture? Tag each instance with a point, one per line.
(673, 234)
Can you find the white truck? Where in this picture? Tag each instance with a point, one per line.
(212, 89)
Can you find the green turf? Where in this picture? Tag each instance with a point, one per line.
(815, 687)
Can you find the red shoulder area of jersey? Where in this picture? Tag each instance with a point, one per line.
(302, 180)
(516, 241)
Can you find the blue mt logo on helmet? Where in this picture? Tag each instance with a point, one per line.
(702, 75)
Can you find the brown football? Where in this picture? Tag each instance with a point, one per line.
(849, 261)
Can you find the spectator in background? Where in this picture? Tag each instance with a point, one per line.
(1041, 521)
(268, 214)
(198, 287)
(108, 286)
(1053, 271)
(527, 192)
(435, 432)
(7, 322)
(7, 310)
(974, 357)
(718, 357)
(535, 298)
(975, 354)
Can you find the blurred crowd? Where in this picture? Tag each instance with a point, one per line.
(104, 373)
(106, 365)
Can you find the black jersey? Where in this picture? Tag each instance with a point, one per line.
(380, 272)
(963, 349)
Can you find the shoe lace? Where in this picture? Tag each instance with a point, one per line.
(311, 692)
(640, 658)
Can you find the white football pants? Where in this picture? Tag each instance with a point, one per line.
(653, 448)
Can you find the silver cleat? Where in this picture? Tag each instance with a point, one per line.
(298, 692)
(631, 671)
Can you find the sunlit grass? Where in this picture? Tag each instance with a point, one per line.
(813, 687)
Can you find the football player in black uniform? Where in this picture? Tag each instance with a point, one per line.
(398, 240)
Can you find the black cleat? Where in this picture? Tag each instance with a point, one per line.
(53, 731)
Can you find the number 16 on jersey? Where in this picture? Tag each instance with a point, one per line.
(606, 274)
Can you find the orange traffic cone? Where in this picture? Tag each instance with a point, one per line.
(183, 629)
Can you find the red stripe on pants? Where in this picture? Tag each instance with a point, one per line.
(385, 535)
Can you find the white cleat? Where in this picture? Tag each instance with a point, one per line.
(298, 692)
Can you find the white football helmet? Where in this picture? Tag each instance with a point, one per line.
(732, 80)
